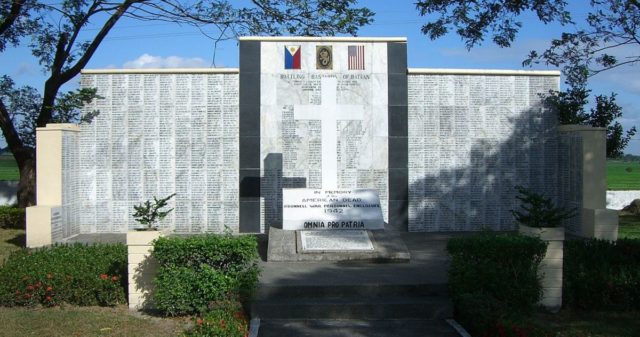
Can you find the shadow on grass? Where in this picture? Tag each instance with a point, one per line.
(18, 240)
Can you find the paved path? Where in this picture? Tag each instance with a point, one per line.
(427, 268)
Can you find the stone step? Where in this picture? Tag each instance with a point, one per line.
(275, 292)
(350, 328)
(434, 307)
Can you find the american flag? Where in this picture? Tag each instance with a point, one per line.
(356, 57)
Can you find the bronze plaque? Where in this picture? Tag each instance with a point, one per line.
(324, 57)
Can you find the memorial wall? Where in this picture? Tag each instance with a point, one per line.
(323, 126)
(472, 138)
(66, 221)
(443, 149)
(158, 134)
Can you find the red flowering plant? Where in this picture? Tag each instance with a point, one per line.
(75, 274)
(225, 319)
(31, 291)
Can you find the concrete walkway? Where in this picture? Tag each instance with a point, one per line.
(425, 274)
(428, 265)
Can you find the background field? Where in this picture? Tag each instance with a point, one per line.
(8, 168)
(623, 175)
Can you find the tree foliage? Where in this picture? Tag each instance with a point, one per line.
(63, 35)
(611, 29)
(472, 20)
(570, 107)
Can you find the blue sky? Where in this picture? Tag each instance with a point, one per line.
(154, 45)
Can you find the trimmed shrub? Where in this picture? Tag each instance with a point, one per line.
(199, 270)
(479, 312)
(503, 266)
(76, 274)
(600, 274)
(224, 319)
(493, 279)
(12, 217)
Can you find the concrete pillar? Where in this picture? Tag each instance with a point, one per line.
(597, 221)
(44, 219)
(142, 268)
(550, 268)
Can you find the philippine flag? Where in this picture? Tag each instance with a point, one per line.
(292, 57)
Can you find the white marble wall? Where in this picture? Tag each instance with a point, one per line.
(293, 150)
(158, 134)
(472, 138)
(68, 223)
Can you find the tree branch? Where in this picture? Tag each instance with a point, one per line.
(77, 27)
(97, 40)
(11, 135)
(14, 13)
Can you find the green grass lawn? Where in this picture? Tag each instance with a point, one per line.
(8, 168)
(72, 321)
(10, 240)
(623, 175)
(629, 227)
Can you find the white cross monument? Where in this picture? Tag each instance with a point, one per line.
(330, 207)
(329, 113)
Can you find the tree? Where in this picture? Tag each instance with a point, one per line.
(56, 30)
(570, 105)
(612, 27)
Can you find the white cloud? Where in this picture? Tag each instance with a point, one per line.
(24, 68)
(150, 61)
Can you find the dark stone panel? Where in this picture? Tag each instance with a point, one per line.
(249, 216)
(250, 153)
(398, 152)
(249, 57)
(249, 93)
(398, 132)
(398, 184)
(398, 216)
(398, 121)
(250, 120)
(249, 124)
(397, 89)
(397, 57)
(249, 183)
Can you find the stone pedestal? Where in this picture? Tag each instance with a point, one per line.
(142, 268)
(588, 173)
(551, 266)
(44, 222)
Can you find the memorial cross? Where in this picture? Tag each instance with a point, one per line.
(329, 113)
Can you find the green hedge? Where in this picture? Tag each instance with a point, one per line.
(503, 266)
(76, 274)
(12, 217)
(493, 277)
(601, 274)
(199, 270)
